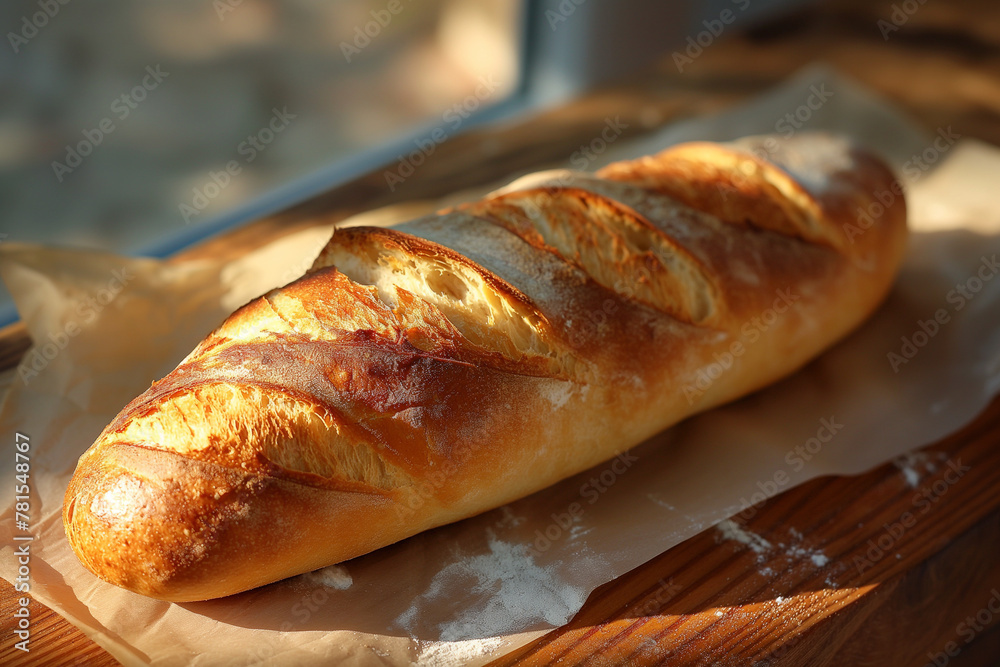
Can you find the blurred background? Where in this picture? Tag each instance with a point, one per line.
(140, 127)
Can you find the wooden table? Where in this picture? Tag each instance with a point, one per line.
(888, 595)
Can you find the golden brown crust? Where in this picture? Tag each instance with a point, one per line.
(415, 374)
(615, 245)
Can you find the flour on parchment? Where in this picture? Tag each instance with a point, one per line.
(517, 592)
(334, 576)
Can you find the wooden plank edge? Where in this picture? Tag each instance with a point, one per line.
(707, 598)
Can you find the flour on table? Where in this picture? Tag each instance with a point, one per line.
(730, 530)
(819, 559)
(914, 465)
(912, 476)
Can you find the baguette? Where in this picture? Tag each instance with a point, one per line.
(424, 373)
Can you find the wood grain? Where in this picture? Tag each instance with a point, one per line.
(53, 641)
(891, 590)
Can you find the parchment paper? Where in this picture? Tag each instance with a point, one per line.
(467, 592)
